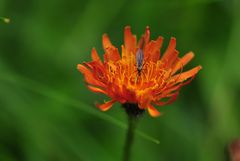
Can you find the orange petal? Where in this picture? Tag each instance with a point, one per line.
(84, 70)
(96, 67)
(128, 94)
(147, 35)
(188, 74)
(106, 106)
(144, 100)
(152, 50)
(158, 45)
(112, 54)
(173, 58)
(171, 89)
(183, 61)
(172, 97)
(94, 55)
(97, 90)
(175, 87)
(88, 75)
(153, 111)
(129, 40)
(170, 50)
(106, 41)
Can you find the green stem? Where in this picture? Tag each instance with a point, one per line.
(132, 120)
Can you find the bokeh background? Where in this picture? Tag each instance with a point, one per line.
(47, 113)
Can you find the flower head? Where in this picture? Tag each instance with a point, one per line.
(140, 75)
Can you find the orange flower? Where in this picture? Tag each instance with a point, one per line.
(140, 76)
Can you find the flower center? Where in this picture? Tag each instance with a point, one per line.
(125, 73)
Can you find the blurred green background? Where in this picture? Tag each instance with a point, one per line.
(47, 113)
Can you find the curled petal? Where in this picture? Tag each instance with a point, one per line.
(172, 98)
(183, 61)
(89, 77)
(94, 55)
(106, 41)
(188, 74)
(97, 68)
(106, 106)
(97, 90)
(172, 89)
(153, 111)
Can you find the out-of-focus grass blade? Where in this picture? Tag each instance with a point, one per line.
(4, 19)
(46, 91)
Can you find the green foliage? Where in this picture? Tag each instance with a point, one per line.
(5, 20)
(47, 113)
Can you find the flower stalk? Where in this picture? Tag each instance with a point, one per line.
(132, 122)
(133, 113)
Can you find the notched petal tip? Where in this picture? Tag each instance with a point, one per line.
(183, 61)
(89, 77)
(95, 56)
(106, 41)
(197, 68)
(127, 31)
(170, 49)
(80, 67)
(160, 38)
(127, 27)
(106, 106)
(147, 35)
(191, 53)
(187, 57)
(83, 69)
(173, 42)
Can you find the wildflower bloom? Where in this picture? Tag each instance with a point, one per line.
(144, 80)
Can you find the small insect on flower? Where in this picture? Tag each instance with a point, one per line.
(161, 76)
(140, 56)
